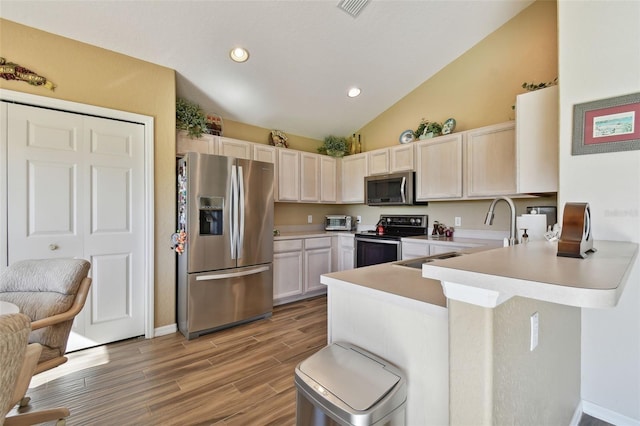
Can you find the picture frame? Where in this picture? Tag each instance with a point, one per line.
(607, 125)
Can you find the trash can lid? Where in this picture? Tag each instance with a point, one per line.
(349, 374)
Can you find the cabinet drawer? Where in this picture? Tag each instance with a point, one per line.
(287, 245)
(314, 243)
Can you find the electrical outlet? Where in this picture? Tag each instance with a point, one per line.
(309, 219)
(358, 219)
(458, 221)
(534, 331)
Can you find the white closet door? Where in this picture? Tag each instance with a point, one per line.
(76, 189)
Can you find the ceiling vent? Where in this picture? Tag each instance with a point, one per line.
(352, 7)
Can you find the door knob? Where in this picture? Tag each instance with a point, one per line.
(53, 247)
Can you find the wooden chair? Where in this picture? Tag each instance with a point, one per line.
(51, 292)
(18, 361)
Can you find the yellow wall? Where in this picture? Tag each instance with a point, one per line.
(95, 76)
(480, 87)
(247, 132)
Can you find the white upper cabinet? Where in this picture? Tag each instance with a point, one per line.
(205, 144)
(353, 171)
(309, 177)
(439, 168)
(537, 135)
(378, 162)
(288, 175)
(401, 158)
(328, 179)
(491, 160)
(234, 148)
(266, 153)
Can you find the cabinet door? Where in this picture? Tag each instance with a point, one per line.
(439, 249)
(354, 169)
(287, 274)
(537, 138)
(288, 175)
(317, 262)
(401, 158)
(378, 162)
(266, 153)
(328, 179)
(411, 250)
(204, 144)
(310, 174)
(439, 171)
(234, 148)
(491, 160)
(346, 253)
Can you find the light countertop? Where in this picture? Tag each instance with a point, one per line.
(392, 279)
(488, 278)
(454, 241)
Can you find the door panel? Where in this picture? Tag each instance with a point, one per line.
(257, 245)
(44, 184)
(76, 189)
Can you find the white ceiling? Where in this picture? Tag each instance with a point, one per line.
(305, 54)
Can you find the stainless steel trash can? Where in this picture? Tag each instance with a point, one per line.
(343, 384)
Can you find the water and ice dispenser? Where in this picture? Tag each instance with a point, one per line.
(211, 215)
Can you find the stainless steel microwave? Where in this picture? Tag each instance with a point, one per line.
(339, 222)
(395, 189)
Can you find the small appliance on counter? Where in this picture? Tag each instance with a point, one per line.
(339, 222)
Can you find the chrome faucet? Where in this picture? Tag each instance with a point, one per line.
(512, 231)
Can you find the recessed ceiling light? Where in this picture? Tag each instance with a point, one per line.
(353, 92)
(239, 54)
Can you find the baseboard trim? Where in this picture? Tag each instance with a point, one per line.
(164, 330)
(607, 415)
(577, 415)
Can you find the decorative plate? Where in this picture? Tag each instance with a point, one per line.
(448, 126)
(407, 137)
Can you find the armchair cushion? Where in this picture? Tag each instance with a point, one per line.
(43, 288)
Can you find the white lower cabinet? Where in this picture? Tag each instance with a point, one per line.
(287, 269)
(317, 261)
(297, 266)
(345, 252)
(414, 249)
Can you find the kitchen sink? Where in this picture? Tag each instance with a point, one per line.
(417, 263)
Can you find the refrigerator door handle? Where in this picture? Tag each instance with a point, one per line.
(241, 212)
(226, 275)
(233, 195)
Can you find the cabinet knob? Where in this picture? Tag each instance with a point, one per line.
(53, 247)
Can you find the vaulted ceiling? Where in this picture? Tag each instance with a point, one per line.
(304, 54)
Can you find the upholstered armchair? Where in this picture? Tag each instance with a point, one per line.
(17, 364)
(51, 292)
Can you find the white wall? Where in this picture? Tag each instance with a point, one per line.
(599, 57)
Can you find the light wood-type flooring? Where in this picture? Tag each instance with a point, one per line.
(239, 376)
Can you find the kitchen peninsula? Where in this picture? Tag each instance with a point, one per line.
(495, 371)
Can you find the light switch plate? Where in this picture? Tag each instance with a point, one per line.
(309, 219)
(458, 221)
(534, 331)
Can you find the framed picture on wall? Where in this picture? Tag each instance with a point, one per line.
(607, 125)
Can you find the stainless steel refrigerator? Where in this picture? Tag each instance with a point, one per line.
(225, 274)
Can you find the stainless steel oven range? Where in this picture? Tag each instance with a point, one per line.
(383, 244)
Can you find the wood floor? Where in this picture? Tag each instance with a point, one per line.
(240, 376)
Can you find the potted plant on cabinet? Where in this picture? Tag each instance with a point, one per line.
(428, 129)
(190, 117)
(335, 146)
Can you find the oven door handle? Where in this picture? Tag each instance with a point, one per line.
(378, 240)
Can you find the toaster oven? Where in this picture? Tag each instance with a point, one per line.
(339, 222)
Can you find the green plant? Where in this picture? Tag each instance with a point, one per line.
(533, 86)
(427, 126)
(334, 145)
(190, 117)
